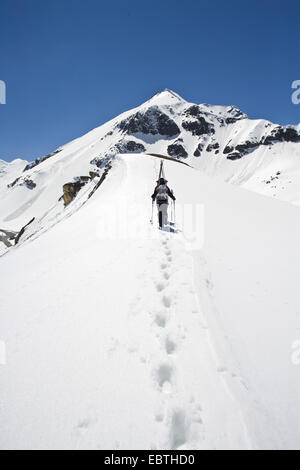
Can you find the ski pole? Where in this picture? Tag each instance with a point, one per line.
(151, 221)
(174, 213)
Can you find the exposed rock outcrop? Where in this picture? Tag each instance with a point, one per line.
(93, 174)
(198, 127)
(102, 161)
(100, 181)
(228, 149)
(177, 150)
(193, 111)
(234, 156)
(281, 134)
(277, 134)
(273, 178)
(11, 185)
(7, 236)
(41, 160)
(21, 232)
(70, 190)
(213, 146)
(152, 121)
(129, 146)
(29, 183)
(199, 149)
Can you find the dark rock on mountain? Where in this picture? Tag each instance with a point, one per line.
(102, 161)
(11, 185)
(213, 146)
(228, 149)
(281, 134)
(29, 183)
(130, 146)
(152, 121)
(231, 120)
(93, 174)
(245, 147)
(70, 190)
(23, 182)
(240, 150)
(198, 150)
(177, 150)
(234, 156)
(291, 135)
(278, 134)
(22, 231)
(6, 237)
(273, 178)
(236, 112)
(198, 127)
(103, 176)
(40, 160)
(193, 111)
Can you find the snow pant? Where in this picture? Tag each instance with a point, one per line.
(162, 208)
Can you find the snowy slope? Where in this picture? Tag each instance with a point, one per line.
(221, 141)
(121, 336)
(11, 170)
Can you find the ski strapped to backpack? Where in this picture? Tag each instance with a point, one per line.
(161, 194)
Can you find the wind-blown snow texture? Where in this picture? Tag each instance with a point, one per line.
(121, 336)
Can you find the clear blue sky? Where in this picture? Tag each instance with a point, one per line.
(71, 65)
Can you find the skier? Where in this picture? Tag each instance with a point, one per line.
(162, 193)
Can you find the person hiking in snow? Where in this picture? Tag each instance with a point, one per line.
(162, 193)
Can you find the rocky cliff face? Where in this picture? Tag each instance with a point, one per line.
(151, 121)
(70, 190)
(184, 130)
(168, 124)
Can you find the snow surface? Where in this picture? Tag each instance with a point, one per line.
(270, 170)
(119, 336)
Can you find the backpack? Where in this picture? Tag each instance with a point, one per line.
(162, 193)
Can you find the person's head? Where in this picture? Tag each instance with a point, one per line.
(162, 181)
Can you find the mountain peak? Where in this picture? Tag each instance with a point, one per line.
(166, 97)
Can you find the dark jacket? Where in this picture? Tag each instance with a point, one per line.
(170, 194)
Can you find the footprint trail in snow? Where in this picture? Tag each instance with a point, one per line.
(195, 410)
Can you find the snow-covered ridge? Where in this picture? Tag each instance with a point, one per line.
(197, 342)
(219, 140)
(122, 336)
